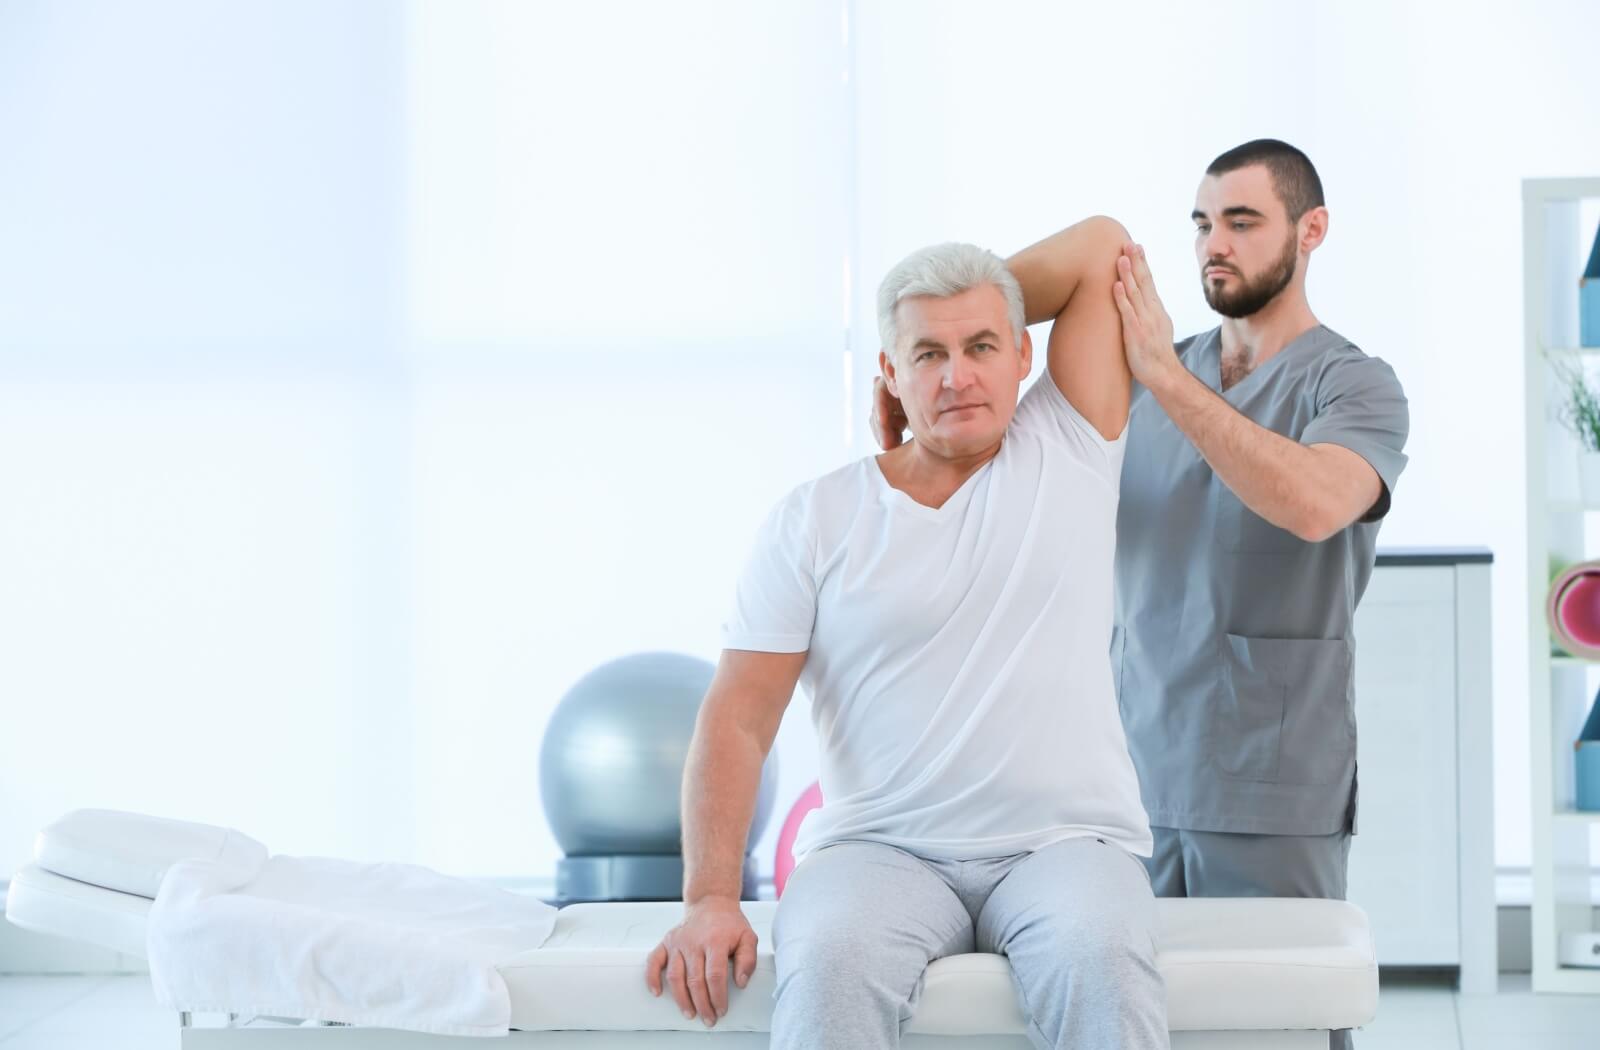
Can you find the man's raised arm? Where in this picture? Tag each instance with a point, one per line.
(1068, 276)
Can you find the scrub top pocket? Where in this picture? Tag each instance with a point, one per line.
(1283, 713)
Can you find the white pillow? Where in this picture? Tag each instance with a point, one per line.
(131, 852)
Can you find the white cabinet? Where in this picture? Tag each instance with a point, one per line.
(1422, 862)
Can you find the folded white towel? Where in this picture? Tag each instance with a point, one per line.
(389, 945)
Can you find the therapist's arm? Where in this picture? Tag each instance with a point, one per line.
(737, 723)
(1312, 491)
(1067, 277)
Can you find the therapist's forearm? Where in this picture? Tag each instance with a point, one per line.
(1279, 479)
(720, 782)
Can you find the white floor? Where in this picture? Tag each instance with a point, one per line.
(79, 1013)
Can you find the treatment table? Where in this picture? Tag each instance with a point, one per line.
(1244, 974)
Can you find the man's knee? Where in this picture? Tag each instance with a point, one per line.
(830, 967)
(1114, 944)
(829, 951)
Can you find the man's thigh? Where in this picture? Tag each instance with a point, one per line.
(1074, 891)
(1224, 864)
(868, 905)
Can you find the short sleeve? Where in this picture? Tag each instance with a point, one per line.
(1361, 407)
(1045, 411)
(775, 601)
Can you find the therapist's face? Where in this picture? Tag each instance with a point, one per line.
(1248, 250)
(956, 369)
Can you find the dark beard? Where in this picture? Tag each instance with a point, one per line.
(1251, 296)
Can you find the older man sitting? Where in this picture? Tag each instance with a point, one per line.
(947, 605)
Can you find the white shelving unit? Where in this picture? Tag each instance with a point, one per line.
(1560, 687)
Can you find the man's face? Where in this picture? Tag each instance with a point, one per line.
(1247, 248)
(957, 369)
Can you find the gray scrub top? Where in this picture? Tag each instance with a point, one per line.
(1232, 649)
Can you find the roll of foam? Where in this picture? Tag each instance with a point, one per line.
(1573, 610)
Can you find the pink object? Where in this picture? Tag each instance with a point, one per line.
(1579, 610)
(783, 861)
(1573, 610)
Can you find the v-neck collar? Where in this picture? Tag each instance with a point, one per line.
(1213, 364)
(888, 494)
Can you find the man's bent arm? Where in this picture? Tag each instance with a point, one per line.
(737, 723)
(1313, 491)
(1068, 276)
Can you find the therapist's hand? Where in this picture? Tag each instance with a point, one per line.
(695, 954)
(1146, 328)
(888, 418)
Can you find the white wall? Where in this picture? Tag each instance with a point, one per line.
(198, 277)
(372, 372)
(368, 373)
(626, 312)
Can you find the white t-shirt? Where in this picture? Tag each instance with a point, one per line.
(957, 659)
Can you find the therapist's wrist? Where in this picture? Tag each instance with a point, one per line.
(1167, 379)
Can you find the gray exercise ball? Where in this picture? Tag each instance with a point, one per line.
(611, 766)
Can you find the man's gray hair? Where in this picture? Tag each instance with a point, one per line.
(943, 270)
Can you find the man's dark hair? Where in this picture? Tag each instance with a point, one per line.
(1293, 177)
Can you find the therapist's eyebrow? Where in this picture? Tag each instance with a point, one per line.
(1235, 212)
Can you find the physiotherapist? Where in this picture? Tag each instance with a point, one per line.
(1262, 456)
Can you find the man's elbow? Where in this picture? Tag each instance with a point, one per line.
(1314, 532)
(1321, 523)
(1108, 231)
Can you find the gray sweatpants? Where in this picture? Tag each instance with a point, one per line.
(1226, 864)
(859, 922)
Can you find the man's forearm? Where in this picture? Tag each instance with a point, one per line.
(1051, 270)
(720, 782)
(1280, 479)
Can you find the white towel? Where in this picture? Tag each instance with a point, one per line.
(388, 945)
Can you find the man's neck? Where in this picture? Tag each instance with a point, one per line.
(1249, 342)
(927, 476)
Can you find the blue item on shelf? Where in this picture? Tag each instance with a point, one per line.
(1591, 725)
(1589, 298)
(1586, 773)
(1586, 762)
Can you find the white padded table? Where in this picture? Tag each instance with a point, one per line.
(45, 902)
(1262, 963)
(1262, 973)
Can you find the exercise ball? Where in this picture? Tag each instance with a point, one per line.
(611, 776)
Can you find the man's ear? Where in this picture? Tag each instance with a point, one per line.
(1027, 352)
(886, 366)
(1313, 229)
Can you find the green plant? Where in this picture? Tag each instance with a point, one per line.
(1580, 409)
